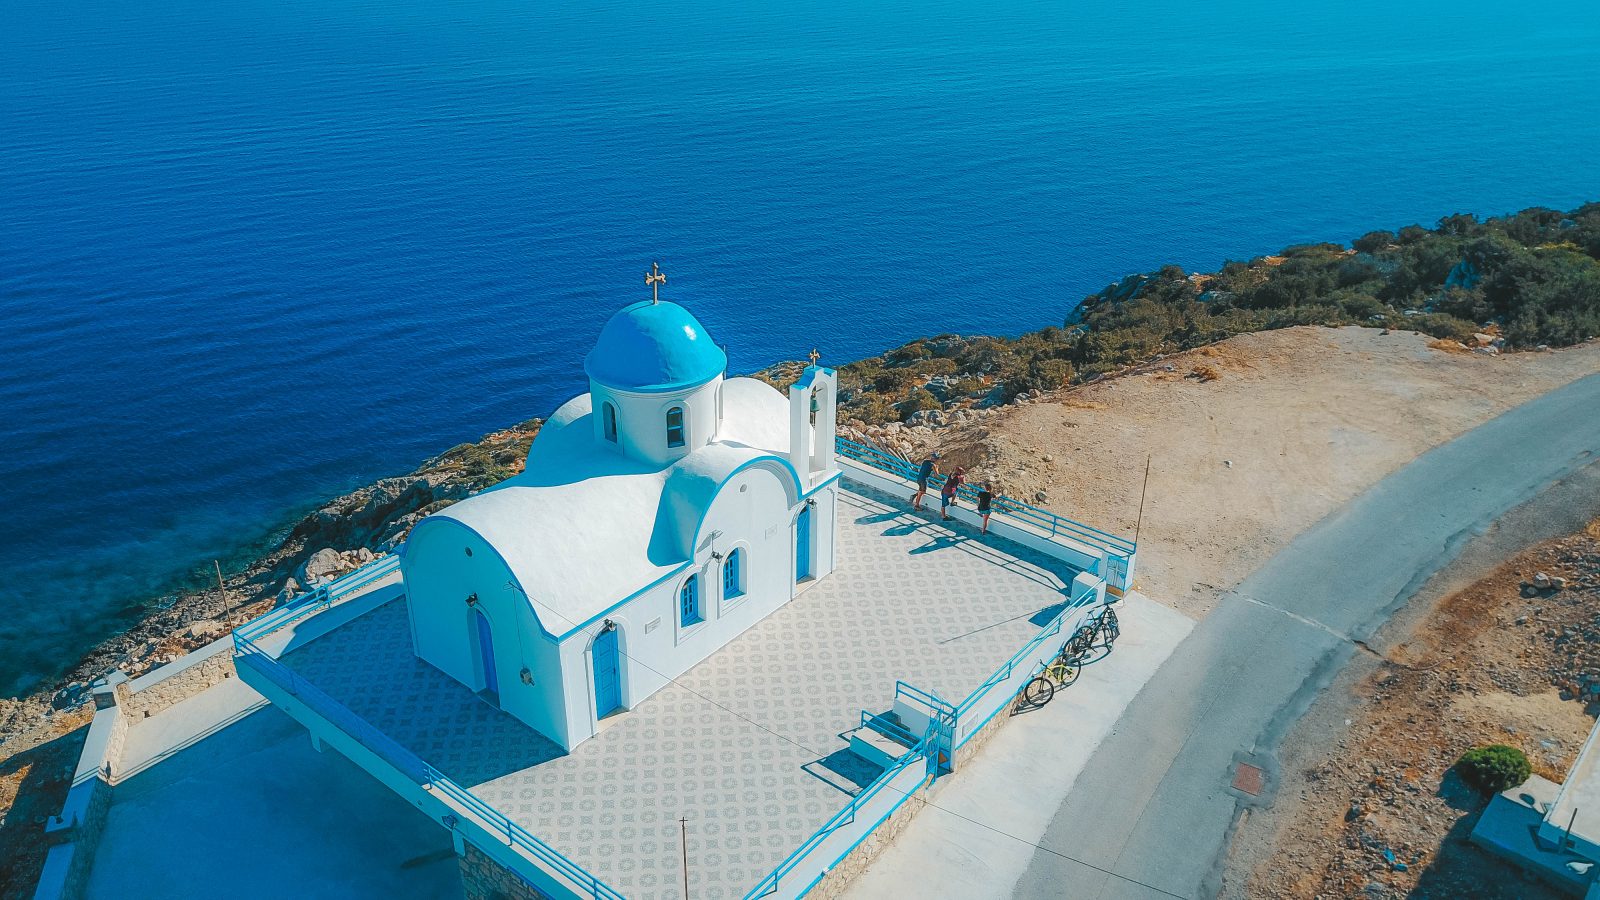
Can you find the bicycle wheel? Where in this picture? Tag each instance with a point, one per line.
(1082, 642)
(1038, 691)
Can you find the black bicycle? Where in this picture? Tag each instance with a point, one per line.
(1106, 627)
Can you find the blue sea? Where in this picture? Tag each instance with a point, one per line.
(254, 254)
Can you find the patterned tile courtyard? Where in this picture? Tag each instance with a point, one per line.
(747, 744)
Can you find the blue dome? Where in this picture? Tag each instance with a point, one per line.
(654, 347)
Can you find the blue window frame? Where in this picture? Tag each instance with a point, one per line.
(675, 431)
(731, 575)
(689, 601)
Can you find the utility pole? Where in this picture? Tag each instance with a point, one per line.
(683, 837)
(1139, 525)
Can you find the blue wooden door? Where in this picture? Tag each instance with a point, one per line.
(607, 687)
(802, 543)
(491, 677)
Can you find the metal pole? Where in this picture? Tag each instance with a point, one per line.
(1139, 525)
(683, 836)
(222, 592)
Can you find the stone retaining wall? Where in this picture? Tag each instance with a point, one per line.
(967, 751)
(857, 860)
(484, 879)
(161, 688)
(76, 832)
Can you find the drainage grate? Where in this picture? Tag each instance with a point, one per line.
(1249, 779)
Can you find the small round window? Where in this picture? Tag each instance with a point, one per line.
(469, 550)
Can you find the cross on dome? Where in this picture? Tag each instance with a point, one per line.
(814, 355)
(655, 278)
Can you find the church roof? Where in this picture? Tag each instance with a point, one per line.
(651, 347)
(584, 527)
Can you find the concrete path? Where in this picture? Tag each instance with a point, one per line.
(184, 724)
(1154, 806)
(1018, 778)
(229, 799)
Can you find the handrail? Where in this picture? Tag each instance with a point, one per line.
(839, 819)
(1039, 518)
(413, 767)
(927, 698)
(887, 728)
(1009, 666)
(320, 599)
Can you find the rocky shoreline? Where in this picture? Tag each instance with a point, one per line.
(331, 540)
(1465, 282)
(357, 527)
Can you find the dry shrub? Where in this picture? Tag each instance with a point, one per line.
(1205, 373)
(1448, 346)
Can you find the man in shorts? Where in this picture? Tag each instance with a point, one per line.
(930, 468)
(985, 502)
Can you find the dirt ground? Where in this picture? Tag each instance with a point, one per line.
(1275, 431)
(33, 785)
(1496, 662)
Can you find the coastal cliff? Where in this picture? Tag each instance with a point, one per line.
(1522, 282)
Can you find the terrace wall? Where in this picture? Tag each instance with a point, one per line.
(482, 878)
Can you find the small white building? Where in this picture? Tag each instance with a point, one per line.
(659, 516)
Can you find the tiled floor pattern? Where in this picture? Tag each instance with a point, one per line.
(745, 745)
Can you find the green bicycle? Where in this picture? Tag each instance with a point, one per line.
(1058, 673)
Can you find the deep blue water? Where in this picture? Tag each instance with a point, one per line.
(256, 253)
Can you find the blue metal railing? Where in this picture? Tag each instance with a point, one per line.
(318, 701)
(843, 817)
(1028, 650)
(888, 728)
(318, 600)
(412, 767)
(935, 703)
(518, 836)
(1044, 520)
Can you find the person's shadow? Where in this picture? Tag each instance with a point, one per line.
(941, 542)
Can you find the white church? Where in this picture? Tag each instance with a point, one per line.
(659, 516)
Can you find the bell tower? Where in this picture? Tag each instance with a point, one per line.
(813, 402)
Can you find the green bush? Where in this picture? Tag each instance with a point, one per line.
(919, 400)
(1494, 768)
(1535, 273)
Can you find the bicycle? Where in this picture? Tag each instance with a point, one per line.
(1107, 626)
(1059, 672)
(1082, 642)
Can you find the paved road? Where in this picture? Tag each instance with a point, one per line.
(1154, 805)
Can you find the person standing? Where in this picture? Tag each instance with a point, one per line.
(985, 501)
(930, 468)
(947, 494)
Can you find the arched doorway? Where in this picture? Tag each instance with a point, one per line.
(607, 674)
(491, 678)
(802, 543)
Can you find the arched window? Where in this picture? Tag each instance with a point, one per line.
(610, 416)
(689, 602)
(675, 427)
(732, 577)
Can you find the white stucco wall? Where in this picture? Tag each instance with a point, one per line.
(439, 575)
(754, 513)
(642, 419)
